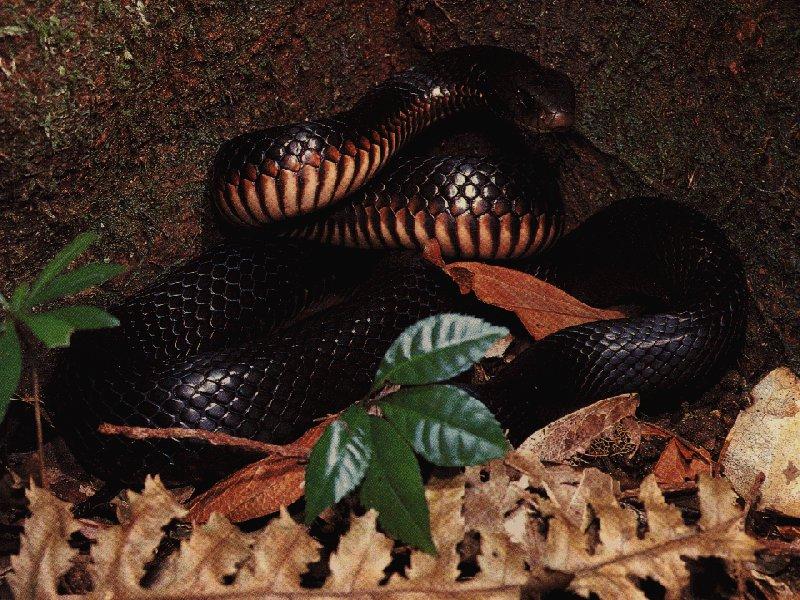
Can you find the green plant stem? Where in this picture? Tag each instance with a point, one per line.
(37, 416)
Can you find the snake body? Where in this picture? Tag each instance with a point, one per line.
(259, 338)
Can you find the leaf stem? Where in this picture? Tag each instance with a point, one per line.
(37, 416)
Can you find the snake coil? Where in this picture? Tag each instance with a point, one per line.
(236, 340)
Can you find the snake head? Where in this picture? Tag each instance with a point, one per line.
(535, 98)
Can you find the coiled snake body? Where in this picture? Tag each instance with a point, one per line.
(236, 341)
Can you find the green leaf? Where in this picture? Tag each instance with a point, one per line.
(393, 486)
(446, 425)
(19, 296)
(52, 331)
(55, 327)
(76, 281)
(84, 317)
(338, 461)
(61, 261)
(10, 365)
(436, 348)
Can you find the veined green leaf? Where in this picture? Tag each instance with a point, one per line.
(52, 331)
(393, 486)
(436, 349)
(78, 280)
(84, 317)
(10, 365)
(445, 424)
(61, 261)
(338, 461)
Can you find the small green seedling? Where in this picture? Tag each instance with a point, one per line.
(23, 311)
(373, 443)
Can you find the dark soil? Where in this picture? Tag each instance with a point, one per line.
(110, 113)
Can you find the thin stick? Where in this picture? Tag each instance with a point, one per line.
(212, 437)
(37, 416)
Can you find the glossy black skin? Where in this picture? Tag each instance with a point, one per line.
(210, 344)
(292, 160)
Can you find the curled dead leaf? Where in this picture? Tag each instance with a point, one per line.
(262, 487)
(574, 433)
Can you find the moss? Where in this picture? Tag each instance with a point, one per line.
(51, 32)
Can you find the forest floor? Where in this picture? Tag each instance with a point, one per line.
(110, 113)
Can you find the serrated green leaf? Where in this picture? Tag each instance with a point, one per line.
(338, 461)
(393, 486)
(52, 331)
(445, 424)
(84, 317)
(10, 365)
(78, 280)
(61, 261)
(436, 349)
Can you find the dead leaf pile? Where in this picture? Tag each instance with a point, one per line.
(611, 564)
(523, 539)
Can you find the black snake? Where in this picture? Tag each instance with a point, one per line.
(258, 338)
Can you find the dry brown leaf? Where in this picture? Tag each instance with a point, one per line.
(256, 490)
(218, 560)
(214, 551)
(260, 488)
(621, 557)
(770, 588)
(566, 486)
(541, 307)
(766, 439)
(573, 434)
(121, 553)
(281, 553)
(489, 496)
(46, 554)
(362, 556)
(681, 462)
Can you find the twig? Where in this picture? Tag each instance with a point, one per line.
(212, 437)
(37, 417)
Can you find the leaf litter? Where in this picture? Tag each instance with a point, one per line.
(527, 541)
(536, 521)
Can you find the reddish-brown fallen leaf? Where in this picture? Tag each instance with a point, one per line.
(680, 462)
(260, 488)
(541, 307)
